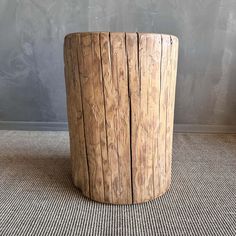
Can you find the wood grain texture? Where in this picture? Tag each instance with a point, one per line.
(76, 118)
(120, 101)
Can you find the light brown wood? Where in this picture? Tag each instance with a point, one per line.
(76, 118)
(120, 101)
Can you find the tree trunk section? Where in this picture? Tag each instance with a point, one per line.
(120, 102)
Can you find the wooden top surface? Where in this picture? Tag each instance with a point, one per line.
(141, 33)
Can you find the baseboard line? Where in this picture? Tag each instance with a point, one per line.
(195, 128)
(34, 126)
(63, 126)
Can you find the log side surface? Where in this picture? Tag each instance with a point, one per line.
(120, 102)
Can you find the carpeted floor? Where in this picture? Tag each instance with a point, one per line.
(37, 196)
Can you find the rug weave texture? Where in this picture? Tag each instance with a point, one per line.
(37, 196)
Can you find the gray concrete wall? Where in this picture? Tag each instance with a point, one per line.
(31, 53)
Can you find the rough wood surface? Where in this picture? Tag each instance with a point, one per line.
(120, 101)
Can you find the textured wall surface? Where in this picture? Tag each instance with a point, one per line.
(31, 53)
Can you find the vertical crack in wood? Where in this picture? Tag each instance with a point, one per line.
(104, 104)
(81, 93)
(130, 122)
(159, 129)
(118, 127)
(153, 168)
(110, 55)
(102, 168)
(93, 111)
(148, 79)
(139, 69)
(167, 106)
(171, 110)
(111, 66)
(145, 87)
(95, 39)
(138, 194)
(160, 74)
(153, 137)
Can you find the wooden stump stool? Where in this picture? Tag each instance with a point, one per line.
(120, 99)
